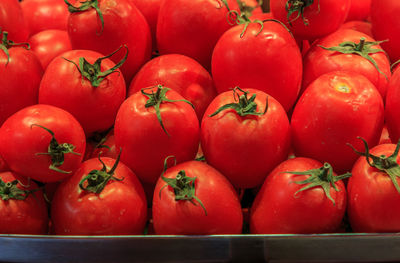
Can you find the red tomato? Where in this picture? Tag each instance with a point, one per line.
(145, 142)
(12, 20)
(386, 25)
(311, 19)
(100, 199)
(45, 14)
(44, 158)
(20, 75)
(205, 22)
(106, 147)
(335, 109)
(94, 102)
(123, 24)
(359, 10)
(48, 44)
(282, 208)
(372, 195)
(392, 117)
(385, 138)
(180, 73)
(361, 26)
(256, 61)
(242, 146)
(212, 207)
(319, 61)
(22, 210)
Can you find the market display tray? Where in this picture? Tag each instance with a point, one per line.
(221, 248)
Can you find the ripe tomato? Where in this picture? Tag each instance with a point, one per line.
(153, 124)
(123, 24)
(386, 25)
(30, 149)
(48, 44)
(311, 19)
(335, 109)
(282, 207)
(256, 61)
(12, 20)
(22, 206)
(206, 204)
(180, 73)
(319, 61)
(106, 147)
(372, 193)
(20, 75)
(84, 91)
(392, 117)
(359, 10)
(45, 14)
(101, 198)
(361, 26)
(231, 136)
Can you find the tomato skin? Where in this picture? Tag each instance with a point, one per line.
(120, 209)
(324, 17)
(227, 139)
(12, 20)
(111, 152)
(27, 216)
(335, 109)
(278, 210)
(180, 73)
(19, 81)
(45, 14)
(392, 117)
(359, 10)
(319, 61)
(361, 26)
(16, 133)
(386, 25)
(94, 107)
(144, 143)
(224, 214)
(257, 61)
(48, 44)
(123, 24)
(372, 197)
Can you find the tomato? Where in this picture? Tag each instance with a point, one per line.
(29, 147)
(335, 109)
(372, 195)
(93, 98)
(386, 25)
(319, 60)
(205, 22)
(45, 14)
(123, 24)
(207, 203)
(392, 117)
(180, 73)
(385, 138)
(106, 147)
(361, 26)
(311, 19)
(48, 44)
(282, 207)
(22, 206)
(256, 60)
(20, 75)
(12, 20)
(245, 142)
(101, 198)
(359, 10)
(146, 139)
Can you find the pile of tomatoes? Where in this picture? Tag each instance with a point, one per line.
(126, 117)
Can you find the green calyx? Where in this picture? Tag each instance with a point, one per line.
(93, 73)
(184, 186)
(7, 44)
(297, 6)
(157, 98)
(363, 49)
(57, 151)
(86, 5)
(321, 177)
(248, 10)
(244, 106)
(98, 179)
(385, 164)
(10, 190)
